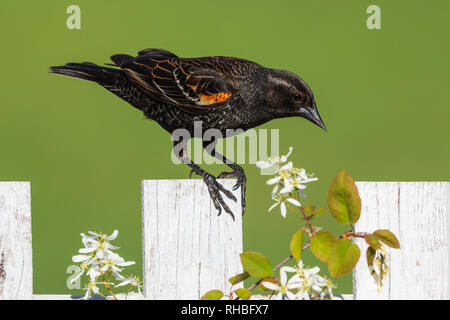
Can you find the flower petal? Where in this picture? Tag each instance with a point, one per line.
(284, 158)
(294, 202)
(274, 191)
(79, 258)
(287, 269)
(273, 206)
(124, 264)
(270, 285)
(290, 295)
(287, 167)
(87, 250)
(273, 180)
(283, 209)
(293, 285)
(312, 271)
(113, 235)
(123, 283)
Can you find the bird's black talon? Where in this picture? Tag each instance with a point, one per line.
(215, 189)
(228, 194)
(238, 173)
(190, 173)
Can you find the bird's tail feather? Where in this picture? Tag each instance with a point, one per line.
(88, 71)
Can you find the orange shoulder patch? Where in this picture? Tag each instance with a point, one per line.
(215, 98)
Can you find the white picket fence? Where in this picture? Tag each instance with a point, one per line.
(188, 249)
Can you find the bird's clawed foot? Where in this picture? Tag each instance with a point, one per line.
(238, 173)
(215, 189)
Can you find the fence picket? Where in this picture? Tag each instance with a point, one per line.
(419, 214)
(16, 263)
(188, 249)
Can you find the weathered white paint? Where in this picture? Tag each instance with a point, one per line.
(16, 264)
(188, 249)
(419, 215)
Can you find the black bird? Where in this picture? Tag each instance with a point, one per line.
(221, 92)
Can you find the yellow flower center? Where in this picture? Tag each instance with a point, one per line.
(284, 175)
(283, 289)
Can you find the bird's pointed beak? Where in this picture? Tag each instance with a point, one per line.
(312, 114)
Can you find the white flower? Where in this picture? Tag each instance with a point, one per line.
(283, 288)
(96, 246)
(284, 174)
(98, 243)
(282, 202)
(99, 262)
(93, 273)
(112, 263)
(289, 182)
(380, 267)
(133, 281)
(302, 272)
(329, 286)
(308, 282)
(275, 160)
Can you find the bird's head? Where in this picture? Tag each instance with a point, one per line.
(289, 96)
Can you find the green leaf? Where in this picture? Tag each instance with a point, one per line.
(296, 245)
(387, 238)
(321, 245)
(312, 211)
(343, 199)
(212, 295)
(309, 209)
(318, 212)
(238, 278)
(243, 293)
(372, 241)
(343, 257)
(256, 264)
(370, 255)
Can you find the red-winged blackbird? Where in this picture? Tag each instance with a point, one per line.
(220, 92)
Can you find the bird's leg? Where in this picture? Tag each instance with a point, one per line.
(214, 187)
(237, 172)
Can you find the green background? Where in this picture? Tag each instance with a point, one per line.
(383, 95)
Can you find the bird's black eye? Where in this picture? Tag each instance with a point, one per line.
(297, 98)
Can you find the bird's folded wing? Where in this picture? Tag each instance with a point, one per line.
(185, 83)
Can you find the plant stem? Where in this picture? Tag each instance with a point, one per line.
(129, 289)
(352, 234)
(307, 219)
(108, 287)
